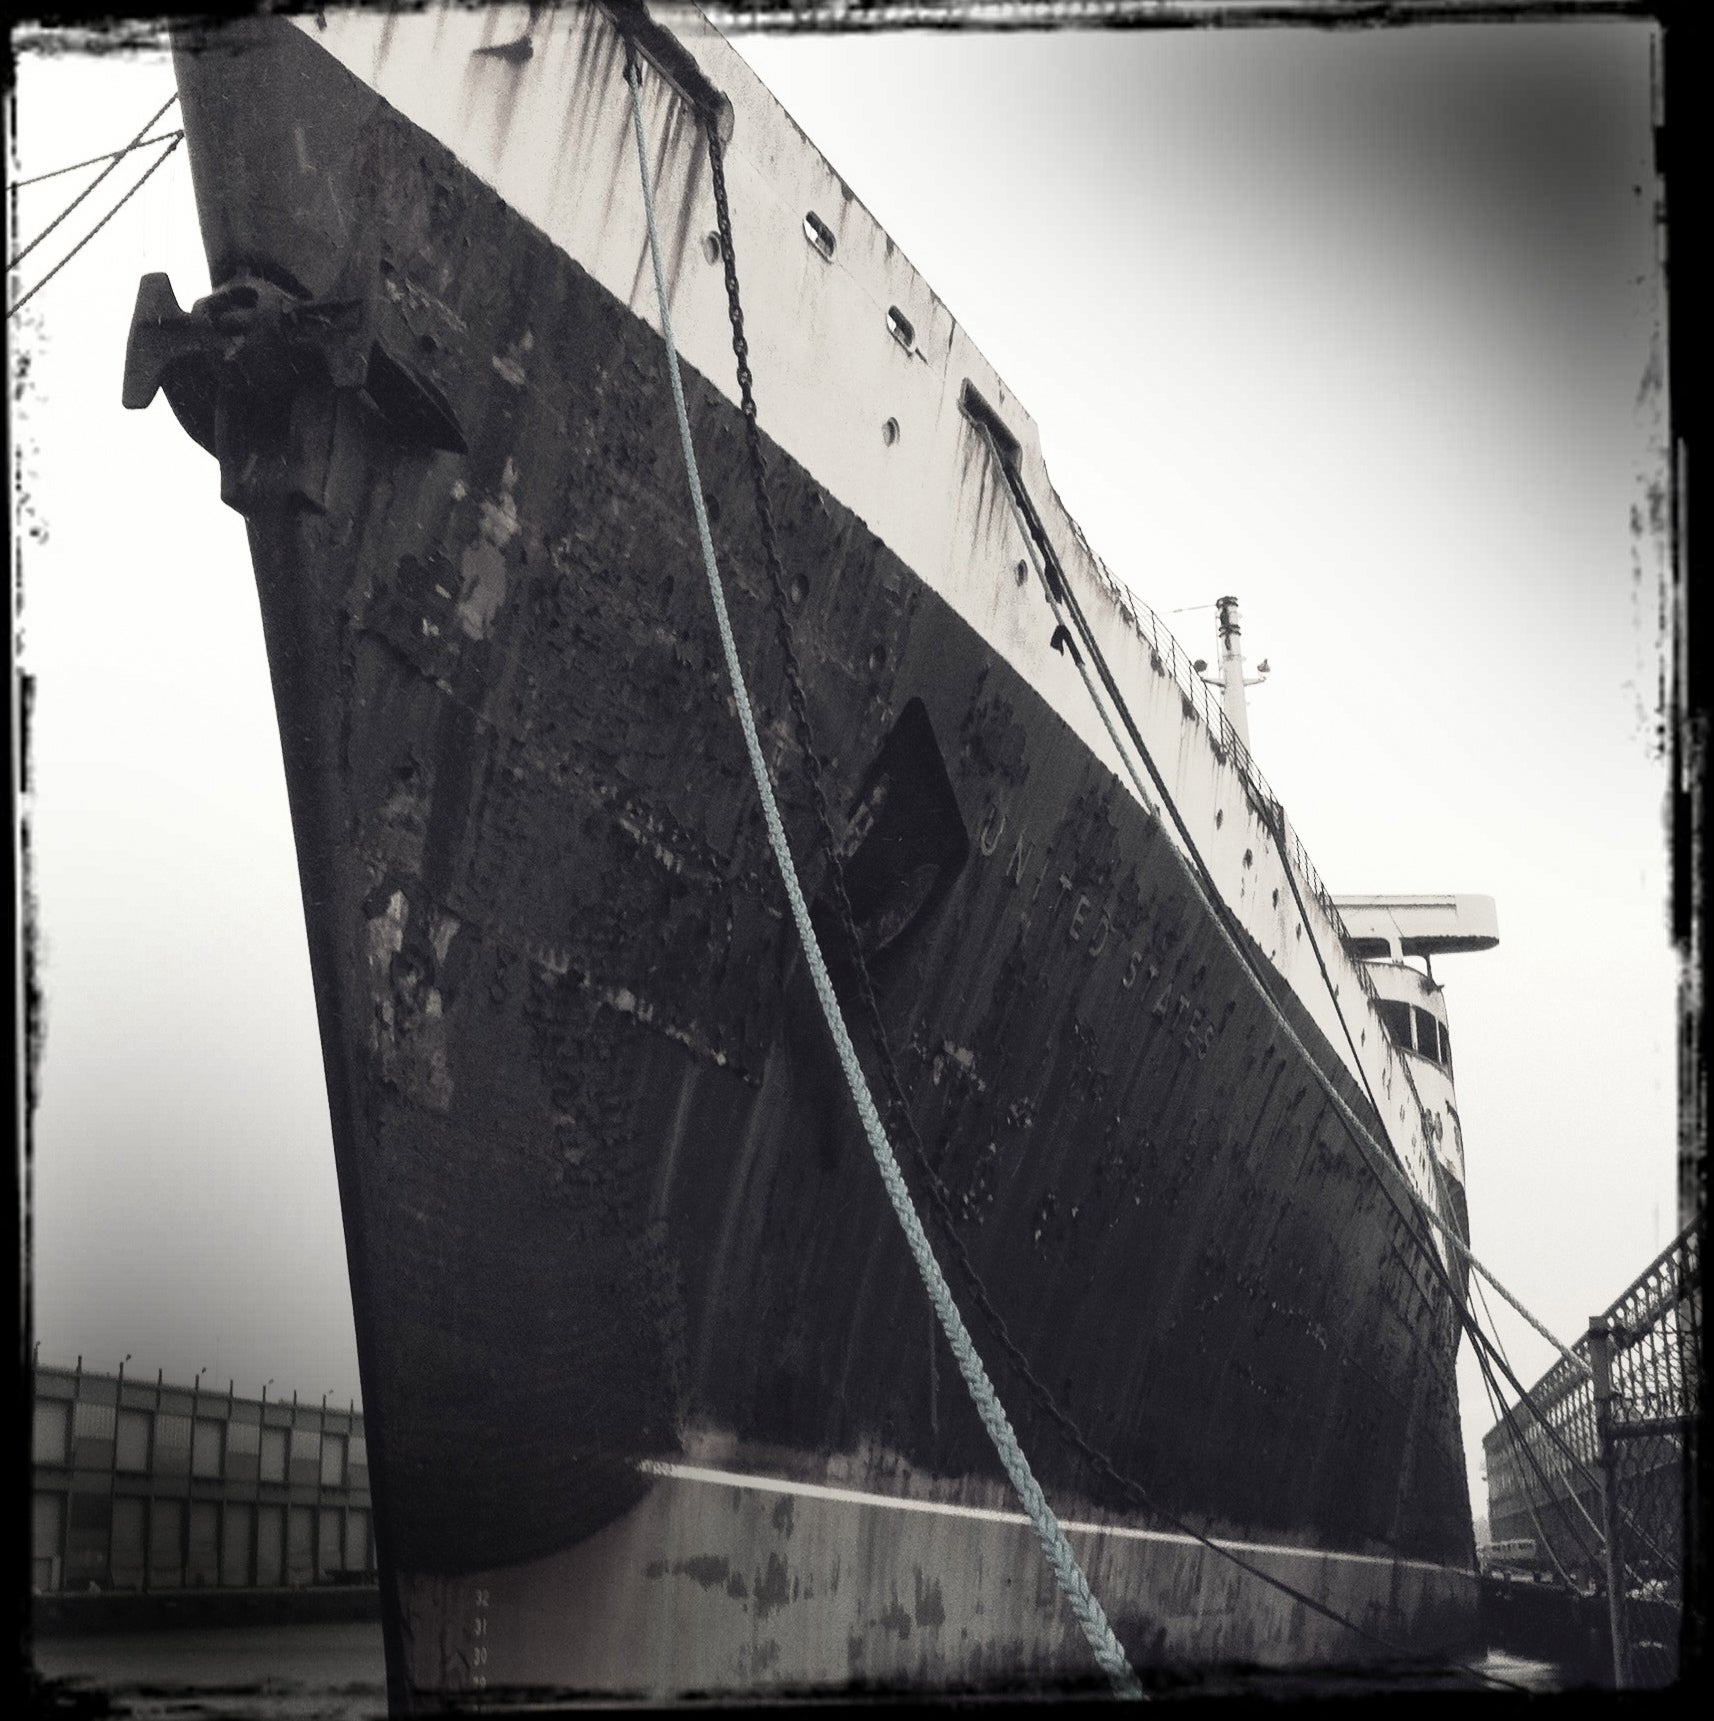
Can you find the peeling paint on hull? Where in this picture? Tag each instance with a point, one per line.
(606, 1204)
(708, 1585)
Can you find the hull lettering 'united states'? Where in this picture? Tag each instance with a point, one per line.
(656, 1404)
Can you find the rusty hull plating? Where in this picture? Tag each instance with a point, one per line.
(655, 1402)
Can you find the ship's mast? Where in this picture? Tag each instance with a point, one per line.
(1232, 669)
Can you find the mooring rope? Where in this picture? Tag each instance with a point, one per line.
(138, 142)
(24, 298)
(1102, 1641)
(106, 155)
(1220, 913)
(1033, 551)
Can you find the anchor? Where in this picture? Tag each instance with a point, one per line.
(254, 374)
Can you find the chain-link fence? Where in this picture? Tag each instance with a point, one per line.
(1646, 1353)
(1601, 1481)
(1648, 1469)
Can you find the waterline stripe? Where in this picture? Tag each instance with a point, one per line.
(991, 1515)
(1104, 1645)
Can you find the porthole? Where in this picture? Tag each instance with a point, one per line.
(890, 432)
(711, 247)
(819, 234)
(899, 327)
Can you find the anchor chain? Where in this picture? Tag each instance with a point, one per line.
(898, 1105)
(939, 1199)
(1098, 1633)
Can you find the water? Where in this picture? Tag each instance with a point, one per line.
(337, 1673)
(235, 1673)
(1490, 1670)
(1533, 1676)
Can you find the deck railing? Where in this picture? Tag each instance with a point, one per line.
(1200, 700)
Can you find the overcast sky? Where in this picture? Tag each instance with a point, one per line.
(1362, 326)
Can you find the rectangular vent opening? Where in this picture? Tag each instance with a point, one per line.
(974, 407)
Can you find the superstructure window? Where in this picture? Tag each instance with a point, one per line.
(1427, 1034)
(1396, 1018)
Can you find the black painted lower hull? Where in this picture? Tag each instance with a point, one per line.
(608, 1207)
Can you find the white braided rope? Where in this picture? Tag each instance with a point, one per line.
(1072, 1582)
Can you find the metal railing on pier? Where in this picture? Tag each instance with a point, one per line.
(1617, 1514)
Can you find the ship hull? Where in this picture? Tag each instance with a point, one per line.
(646, 1364)
(717, 1582)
